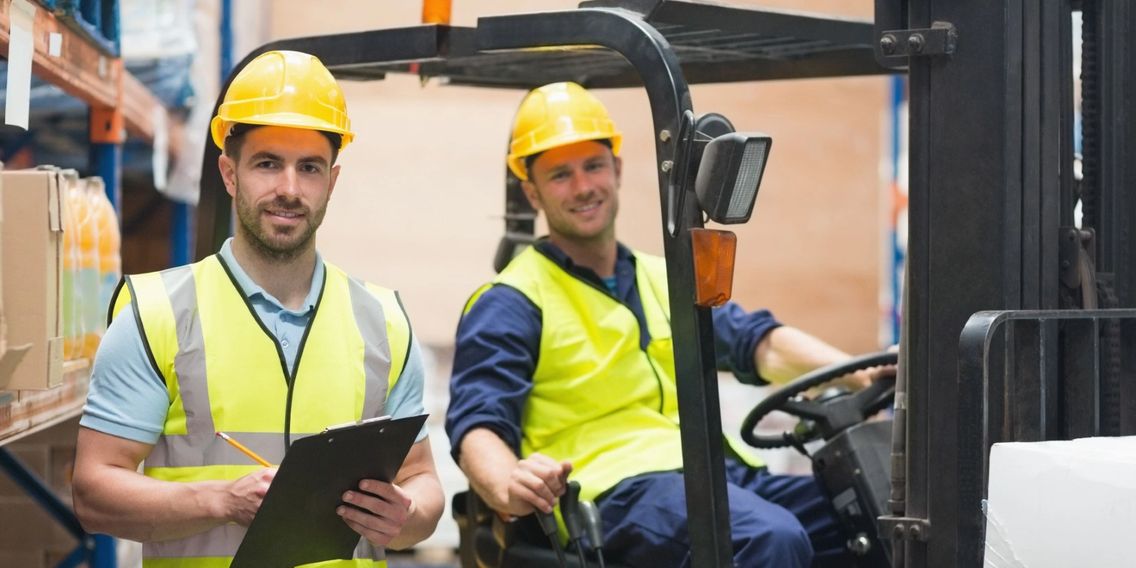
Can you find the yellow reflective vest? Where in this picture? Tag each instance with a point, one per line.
(225, 373)
(598, 399)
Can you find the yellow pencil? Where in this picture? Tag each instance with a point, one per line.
(243, 449)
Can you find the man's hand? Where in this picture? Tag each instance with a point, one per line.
(243, 496)
(535, 484)
(379, 511)
(865, 377)
(512, 487)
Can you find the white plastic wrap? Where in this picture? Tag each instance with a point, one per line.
(1062, 503)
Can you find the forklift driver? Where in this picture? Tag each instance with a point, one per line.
(564, 366)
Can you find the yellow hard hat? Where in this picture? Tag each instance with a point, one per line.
(554, 115)
(284, 88)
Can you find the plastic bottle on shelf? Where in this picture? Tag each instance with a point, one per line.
(89, 268)
(110, 258)
(73, 328)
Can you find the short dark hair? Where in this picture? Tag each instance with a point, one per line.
(530, 159)
(236, 138)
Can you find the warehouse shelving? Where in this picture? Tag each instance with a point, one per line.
(82, 66)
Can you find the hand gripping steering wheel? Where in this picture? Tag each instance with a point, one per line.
(822, 418)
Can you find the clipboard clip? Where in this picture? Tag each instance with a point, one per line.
(345, 425)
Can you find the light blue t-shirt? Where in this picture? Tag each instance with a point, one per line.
(129, 399)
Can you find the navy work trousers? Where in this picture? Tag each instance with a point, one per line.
(780, 521)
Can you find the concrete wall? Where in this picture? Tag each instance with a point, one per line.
(419, 203)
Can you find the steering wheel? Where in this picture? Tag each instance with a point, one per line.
(822, 418)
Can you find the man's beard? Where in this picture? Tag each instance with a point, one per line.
(279, 248)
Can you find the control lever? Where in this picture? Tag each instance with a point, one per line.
(570, 510)
(593, 525)
(548, 527)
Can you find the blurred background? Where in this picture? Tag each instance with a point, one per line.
(419, 202)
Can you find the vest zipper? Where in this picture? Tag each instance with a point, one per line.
(295, 367)
(658, 379)
(289, 375)
(655, 297)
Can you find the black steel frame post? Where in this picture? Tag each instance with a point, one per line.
(700, 418)
(1109, 127)
(986, 163)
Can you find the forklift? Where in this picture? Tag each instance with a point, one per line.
(1021, 277)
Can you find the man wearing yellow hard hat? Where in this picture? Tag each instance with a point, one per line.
(264, 340)
(564, 366)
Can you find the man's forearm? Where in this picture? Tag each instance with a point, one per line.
(129, 505)
(418, 479)
(787, 352)
(111, 497)
(429, 501)
(487, 461)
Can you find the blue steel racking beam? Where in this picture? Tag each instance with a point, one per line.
(182, 228)
(96, 550)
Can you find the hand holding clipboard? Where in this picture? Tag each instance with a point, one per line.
(298, 521)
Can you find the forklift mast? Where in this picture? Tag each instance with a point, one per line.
(1006, 338)
(996, 255)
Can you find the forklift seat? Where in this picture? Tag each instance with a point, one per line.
(487, 541)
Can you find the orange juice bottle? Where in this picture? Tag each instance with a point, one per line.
(110, 259)
(72, 315)
(89, 269)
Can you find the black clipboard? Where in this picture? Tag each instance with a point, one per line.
(297, 523)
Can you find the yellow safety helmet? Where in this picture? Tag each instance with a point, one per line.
(284, 88)
(554, 115)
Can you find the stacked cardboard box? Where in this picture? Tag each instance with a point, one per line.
(32, 392)
(31, 538)
(31, 242)
(10, 353)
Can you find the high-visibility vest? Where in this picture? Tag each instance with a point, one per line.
(598, 399)
(225, 373)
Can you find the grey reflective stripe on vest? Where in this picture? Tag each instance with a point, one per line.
(372, 323)
(220, 541)
(223, 541)
(181, 451)
(367, 550)
(186, 450)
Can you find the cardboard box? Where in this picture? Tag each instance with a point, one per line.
(10, 354)
(23, 558)
(1061, 503)
(37, 460)
(32, 249)
(28, 526)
